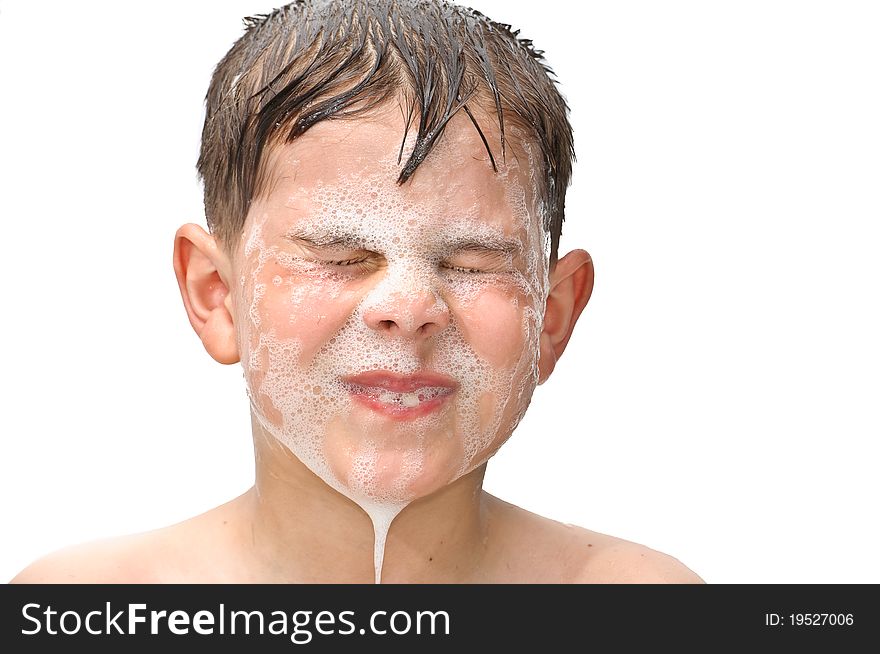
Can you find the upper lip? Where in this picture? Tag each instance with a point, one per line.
(400, 383)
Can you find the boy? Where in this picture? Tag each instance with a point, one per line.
(384, 186)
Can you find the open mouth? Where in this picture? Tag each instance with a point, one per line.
(400, 396)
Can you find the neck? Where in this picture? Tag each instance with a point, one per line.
(296, 528)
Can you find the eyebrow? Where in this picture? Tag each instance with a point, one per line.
(499, 245)
(323, 238)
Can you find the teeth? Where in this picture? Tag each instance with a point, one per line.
(408, 400)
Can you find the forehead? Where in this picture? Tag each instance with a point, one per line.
(355, 163)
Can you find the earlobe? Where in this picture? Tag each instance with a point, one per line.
(571, 284)
(201, 268)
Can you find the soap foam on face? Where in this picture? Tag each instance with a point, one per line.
(308, 326)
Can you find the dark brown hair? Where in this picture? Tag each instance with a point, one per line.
(315, 60)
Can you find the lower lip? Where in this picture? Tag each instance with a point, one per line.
(399, 412)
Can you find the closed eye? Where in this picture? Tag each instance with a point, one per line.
(362, 264)
(474, 261)
(462, 269)
(338, 254)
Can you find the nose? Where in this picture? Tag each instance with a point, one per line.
(414, 313)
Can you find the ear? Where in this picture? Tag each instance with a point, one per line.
(571, 284)
(203, 270)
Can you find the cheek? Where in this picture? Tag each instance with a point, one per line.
(492, 322)
(303, 308)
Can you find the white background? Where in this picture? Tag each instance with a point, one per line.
(719, 399)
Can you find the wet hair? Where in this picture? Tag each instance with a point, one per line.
(315, 60)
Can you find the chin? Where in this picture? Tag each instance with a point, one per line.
(389, 472)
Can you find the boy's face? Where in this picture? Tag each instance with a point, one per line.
(389, 333)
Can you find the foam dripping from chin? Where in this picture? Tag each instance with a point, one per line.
(381, 515)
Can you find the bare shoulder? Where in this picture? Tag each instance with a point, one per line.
(179, 553)
(542, 550)
(128, 559)
(620, 561)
